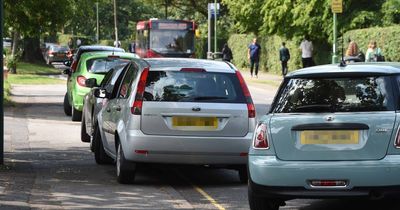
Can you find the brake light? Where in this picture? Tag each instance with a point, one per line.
(193, 70)
(50, 52)
(250, 106)
(136, 108)
(397, 141)
(260, 138)
(81, 81)
(152, 54)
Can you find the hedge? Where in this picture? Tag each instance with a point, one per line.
(387, 39)
(269, 60)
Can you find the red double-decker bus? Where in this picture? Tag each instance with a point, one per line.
(165, 38)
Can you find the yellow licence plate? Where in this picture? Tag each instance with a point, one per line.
(195, 122)
(329, 137)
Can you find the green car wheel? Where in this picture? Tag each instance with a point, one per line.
(67, 106)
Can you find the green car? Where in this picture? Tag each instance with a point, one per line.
(91, 65)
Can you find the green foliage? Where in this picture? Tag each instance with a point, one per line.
(7, 93)
(391, 11)
(109, 42)
(201, 46)
(387, 39)
(246, 14)
(31, 18)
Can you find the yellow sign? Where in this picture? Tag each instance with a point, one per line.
(337, 6)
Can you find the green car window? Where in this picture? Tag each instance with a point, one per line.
(103, 65)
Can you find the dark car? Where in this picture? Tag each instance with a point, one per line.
(55, 53)
(88, 48)
(92, 104)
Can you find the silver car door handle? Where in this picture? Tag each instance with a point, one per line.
(117, 108)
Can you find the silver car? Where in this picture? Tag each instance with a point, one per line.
(183, 111)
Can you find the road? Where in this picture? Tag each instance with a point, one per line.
(48, 167)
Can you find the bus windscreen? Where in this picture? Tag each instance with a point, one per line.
(172, 41)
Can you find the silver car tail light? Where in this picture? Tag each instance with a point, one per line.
(260, 140)
(397, 140)
(136, 108)
(250, 105)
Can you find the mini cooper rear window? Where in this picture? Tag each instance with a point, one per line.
(360, 94)
(103, 65)
(178, 86)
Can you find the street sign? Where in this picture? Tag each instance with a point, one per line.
(337, 6)
(211, 8)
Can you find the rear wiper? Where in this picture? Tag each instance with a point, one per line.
(209, 97)
(314, 108)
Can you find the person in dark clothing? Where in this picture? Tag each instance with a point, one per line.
(132, 47)
(227, 53)
(253, 54)
(284, 56)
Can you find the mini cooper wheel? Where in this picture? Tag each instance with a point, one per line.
(262, 203)
(125, 169)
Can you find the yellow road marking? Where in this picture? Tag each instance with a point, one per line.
(202, 192)
(208, 197)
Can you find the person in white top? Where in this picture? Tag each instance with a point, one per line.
(306, 47)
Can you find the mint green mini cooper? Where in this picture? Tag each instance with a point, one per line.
(91, 65)
(332, 131)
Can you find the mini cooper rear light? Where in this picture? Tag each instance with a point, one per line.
(250, 106)
(260, 138)
(328, 183)
(81, 81)
(136, 108)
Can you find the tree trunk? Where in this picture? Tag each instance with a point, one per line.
(14, 48)
(32, 52)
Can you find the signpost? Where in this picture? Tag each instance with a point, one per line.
(337, 7)
(213, 11)
(1, 89)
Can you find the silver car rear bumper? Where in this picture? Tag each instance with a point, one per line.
(140, 147)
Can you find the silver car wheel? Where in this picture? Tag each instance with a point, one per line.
(118, 160)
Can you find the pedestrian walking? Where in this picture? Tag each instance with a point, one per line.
(306, 48)
(374, 53)
(253, 54)
(78, 43)
(117, 44)
(71, 43)
(227, 53)
(284, 56)
(132, 47)
(352, 49)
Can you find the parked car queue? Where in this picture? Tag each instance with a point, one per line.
(330, 132)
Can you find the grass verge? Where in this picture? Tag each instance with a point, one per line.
(38, 69)
(7, 91)
(30, 74)
(28, 79)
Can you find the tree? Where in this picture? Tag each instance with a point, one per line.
(293, 18)
(246, 14)
(33, 18)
